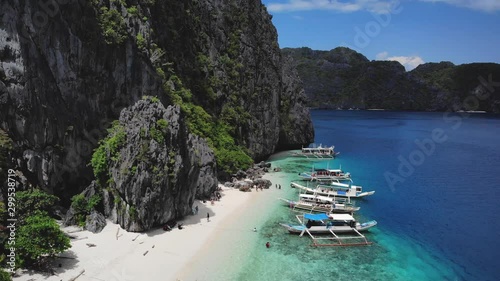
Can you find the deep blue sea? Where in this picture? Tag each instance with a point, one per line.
(438, 215)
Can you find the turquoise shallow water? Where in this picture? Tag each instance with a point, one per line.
(440, 223)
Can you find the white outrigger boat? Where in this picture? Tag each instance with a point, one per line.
(319, 152)
(317, 203)
(335, 189)
(330, 224)
(325, 175)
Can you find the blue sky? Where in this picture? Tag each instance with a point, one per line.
(409, 31)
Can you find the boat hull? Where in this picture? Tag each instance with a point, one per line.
(323, 229)
(337, 208)
(332, 193)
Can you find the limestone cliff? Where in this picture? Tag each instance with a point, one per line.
(343, 78)
(157, 169)
(68, 68)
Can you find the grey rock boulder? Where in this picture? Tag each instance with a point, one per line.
(95, 222)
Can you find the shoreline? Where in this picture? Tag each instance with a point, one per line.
(233, 247)
(115, 254)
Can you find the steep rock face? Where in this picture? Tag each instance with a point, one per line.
(474, 86)
(66, 74)
(293, 112)
(61, 85)
(156, 174)
(343, 78)
(230, 59)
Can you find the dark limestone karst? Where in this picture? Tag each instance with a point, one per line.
(157, 171)
(64, 80)
(342, 78)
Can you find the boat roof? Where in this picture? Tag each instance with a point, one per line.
(329, 170)
(341, 217)
(316, 217)
(320, 147)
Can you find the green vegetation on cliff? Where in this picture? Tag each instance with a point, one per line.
(113, 26)
(107, 151)
(83, 207)
(218, 131)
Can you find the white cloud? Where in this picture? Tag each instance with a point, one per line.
(382, 56)
(297, 17)
(481, 5)
(346, 6)
(409, 62)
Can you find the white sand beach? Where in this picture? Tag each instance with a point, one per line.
(156, 255)
(233, 241)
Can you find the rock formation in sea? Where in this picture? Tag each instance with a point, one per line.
(70, 69)
(343, 78)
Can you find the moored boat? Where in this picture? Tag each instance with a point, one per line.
(335, 189)
(328, 223)
(316, 203)
(318, 152)
(325, 175)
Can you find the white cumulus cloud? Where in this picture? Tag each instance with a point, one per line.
(481, 5)
(346, 6)
(409, 62)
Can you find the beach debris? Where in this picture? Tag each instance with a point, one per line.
(255, 229)
(153, 246)
(117, 231)
(135, 237)
(90, 245)
(145, 253)
(81, 238)
(79, 274)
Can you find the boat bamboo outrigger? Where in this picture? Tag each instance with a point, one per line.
(319, 152)
(335, 189)
(333, 224)
(317, 203)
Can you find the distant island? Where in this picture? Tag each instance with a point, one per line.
(343, 79)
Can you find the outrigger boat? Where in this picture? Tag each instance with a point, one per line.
(319, 152)
(330, 224)
(316, 203)
(335, 189)
(325, 175)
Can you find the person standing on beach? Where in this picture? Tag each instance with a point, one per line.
(208, 217)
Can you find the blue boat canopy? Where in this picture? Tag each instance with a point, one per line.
(316, 217)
